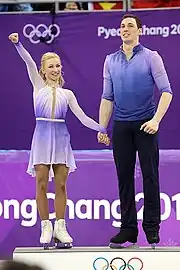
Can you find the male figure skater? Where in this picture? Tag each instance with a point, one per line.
(130, 75)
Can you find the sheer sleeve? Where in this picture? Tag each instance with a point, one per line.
(85, 120)
(159, 73)
(33, 74)
(107, 81)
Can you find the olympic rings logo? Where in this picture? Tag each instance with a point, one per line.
(117, 263)
(41, 31)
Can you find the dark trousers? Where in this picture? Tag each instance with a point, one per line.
(127, 140)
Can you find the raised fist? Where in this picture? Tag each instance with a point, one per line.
(14, 37)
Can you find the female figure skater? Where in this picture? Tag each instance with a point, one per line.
(51, 152)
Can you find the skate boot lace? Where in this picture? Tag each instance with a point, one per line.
(62, 225)
(62, 228)
(45, 227)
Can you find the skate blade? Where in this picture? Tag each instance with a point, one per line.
(116, 246)
(46, 246)
(63, 245)
(132, 246)
(60, 245)
(153, 246)
(121, 246)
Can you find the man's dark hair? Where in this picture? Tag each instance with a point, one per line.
(138, 21)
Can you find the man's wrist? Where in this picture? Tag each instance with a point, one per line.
(155, 118)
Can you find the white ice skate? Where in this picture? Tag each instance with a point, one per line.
(46, 233)
(61, 237)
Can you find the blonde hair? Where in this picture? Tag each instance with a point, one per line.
(47, 56)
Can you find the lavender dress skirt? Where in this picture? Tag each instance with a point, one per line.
(51, 145)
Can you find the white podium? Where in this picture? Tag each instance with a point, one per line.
(101, 258)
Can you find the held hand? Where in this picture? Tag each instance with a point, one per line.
(14, 37)
(103, 138)
(151, 126)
